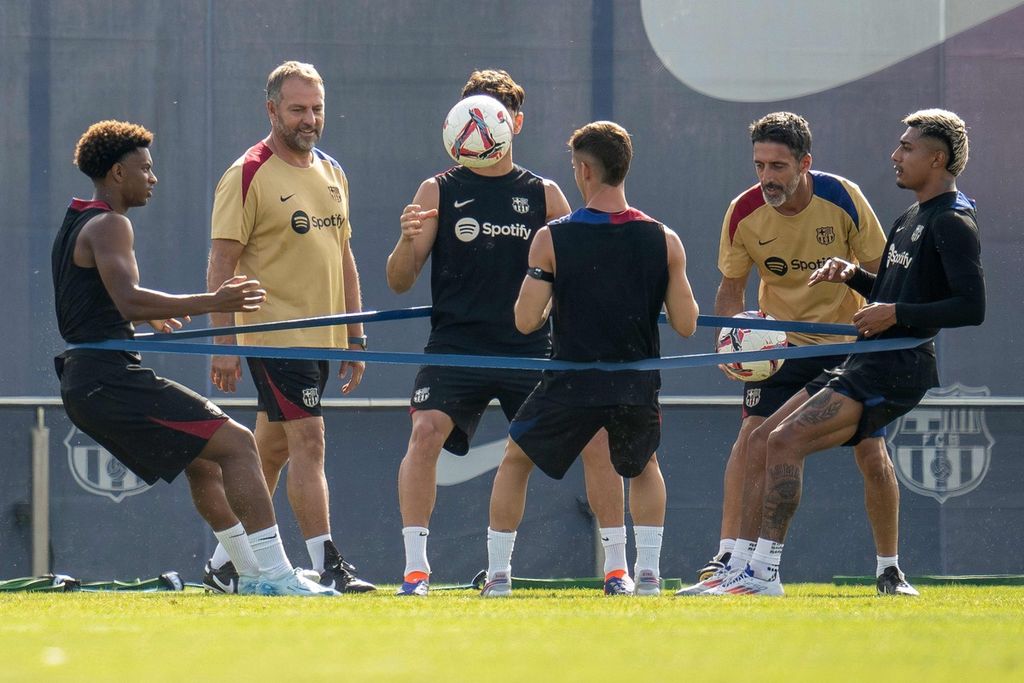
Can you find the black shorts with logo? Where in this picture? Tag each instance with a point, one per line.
(289, 389)
(463, 394)
(553, 434)
(154, 426)
(889, 384)
(761, 399)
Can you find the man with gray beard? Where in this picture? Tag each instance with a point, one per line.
(281, 210)
(788, 225)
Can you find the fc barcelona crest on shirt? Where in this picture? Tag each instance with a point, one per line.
(335, 193)
(826, 235)
(99, 472)
(310, 397)
(520, 204)
(942, 451)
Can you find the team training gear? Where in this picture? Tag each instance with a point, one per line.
(619, 585)
(893, 582)
(341, 575)
(745, 583)
(498, 586)
(222, 580)
(786, 249)
(648, 583)
(294, 223)
(294, 583)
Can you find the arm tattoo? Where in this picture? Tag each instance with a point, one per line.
(781, 500)
(822, 407)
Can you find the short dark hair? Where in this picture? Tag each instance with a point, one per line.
(499, 85)
(105, 143)
(286, 70)
(949, 129)
(785, 128)
(608, 143)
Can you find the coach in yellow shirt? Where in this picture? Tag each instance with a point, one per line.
(280, 214)
(787, 226)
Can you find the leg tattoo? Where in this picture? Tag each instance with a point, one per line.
(782, 497)
(822, 407)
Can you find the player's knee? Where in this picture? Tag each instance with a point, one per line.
(781, 440)
(874, 463)
(426, 439)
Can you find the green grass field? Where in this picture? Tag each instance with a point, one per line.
(818, 632)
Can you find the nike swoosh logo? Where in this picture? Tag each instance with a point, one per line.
(454, 469)
(690, 40)
(768, 242)
(423, 533)
(459, 205)
(604, 538)
(284, 199)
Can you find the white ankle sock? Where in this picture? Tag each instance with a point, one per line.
(765, 560)
(882, 563)
(648, 547)
(416, 549)
(499, 551)
(741, 553)
(613, 539)
(233, 546)
(315, 548)
(269, 551)
(725, 545)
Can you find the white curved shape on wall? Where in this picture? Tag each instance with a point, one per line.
(768, 50)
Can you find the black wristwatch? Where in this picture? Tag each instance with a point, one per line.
(358, 341)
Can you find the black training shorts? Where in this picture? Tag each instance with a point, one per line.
(289, 389)
(889, 385)
(553, 434)
(154, 426)
(762, 399)
(463, 394)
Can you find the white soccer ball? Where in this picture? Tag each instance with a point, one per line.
(740, 338)
(478, 131)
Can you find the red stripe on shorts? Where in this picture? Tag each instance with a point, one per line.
(204, 429)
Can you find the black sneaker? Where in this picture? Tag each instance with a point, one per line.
(341, 575)
(893, 582)
(223, 580)
(714, 564)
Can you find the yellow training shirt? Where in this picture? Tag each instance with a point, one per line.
(838, 222)
(294, 224)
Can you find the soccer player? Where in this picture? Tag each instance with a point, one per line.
(473, 289)
(603, 273)
(157, 428)
(787, 226)
(930, 278)
(281, 214)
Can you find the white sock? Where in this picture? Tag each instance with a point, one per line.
(613, 539)
(315, 548)
(220, 553)
(499, 551)
(648, 548)
(741, 553)
(882, 563)
(416, 549)
(269, 551)
(765, 560)
(725, 545)
(233, 544)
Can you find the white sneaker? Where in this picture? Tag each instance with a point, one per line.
(745, 583)
(498, 586)
(647, 583)
(713, 581)
(290, 584)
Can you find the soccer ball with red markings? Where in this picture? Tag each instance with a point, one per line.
(478, 131)
(740, 338)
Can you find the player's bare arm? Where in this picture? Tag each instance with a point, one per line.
(730, 298)
(680, 305)
(225, 371)
(107, 242)
(419, 228)
(534, 302)
(557, 204)
(353, 304)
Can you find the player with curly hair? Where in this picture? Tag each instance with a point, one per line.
(156, 427)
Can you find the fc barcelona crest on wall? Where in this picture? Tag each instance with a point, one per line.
(99, 472)
(943, 451)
